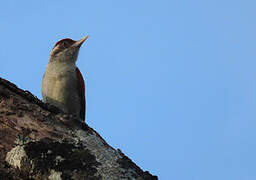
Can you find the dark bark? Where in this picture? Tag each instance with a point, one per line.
(38, 141)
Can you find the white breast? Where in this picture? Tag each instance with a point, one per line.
(59, 87)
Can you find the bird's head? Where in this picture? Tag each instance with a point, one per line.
(66, 50)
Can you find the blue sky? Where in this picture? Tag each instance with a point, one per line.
(170, 83)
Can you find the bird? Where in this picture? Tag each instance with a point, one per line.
(63, 84)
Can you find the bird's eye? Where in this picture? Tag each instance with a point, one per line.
(64, 44)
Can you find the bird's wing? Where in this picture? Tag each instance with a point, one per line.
(81, 90)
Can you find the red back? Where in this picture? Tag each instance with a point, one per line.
(81, 90)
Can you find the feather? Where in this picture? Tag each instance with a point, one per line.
(81, 91)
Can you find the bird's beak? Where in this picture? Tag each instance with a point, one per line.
(80, 42)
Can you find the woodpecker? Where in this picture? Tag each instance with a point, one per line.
(63, 84)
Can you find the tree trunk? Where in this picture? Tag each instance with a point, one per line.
(38, 141)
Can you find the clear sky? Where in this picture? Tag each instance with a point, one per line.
(170, 83)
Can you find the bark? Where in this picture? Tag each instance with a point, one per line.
(38, 141)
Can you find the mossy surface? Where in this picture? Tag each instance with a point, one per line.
(126, 163)
(46, 155)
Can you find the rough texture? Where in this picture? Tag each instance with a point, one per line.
(38, 141)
